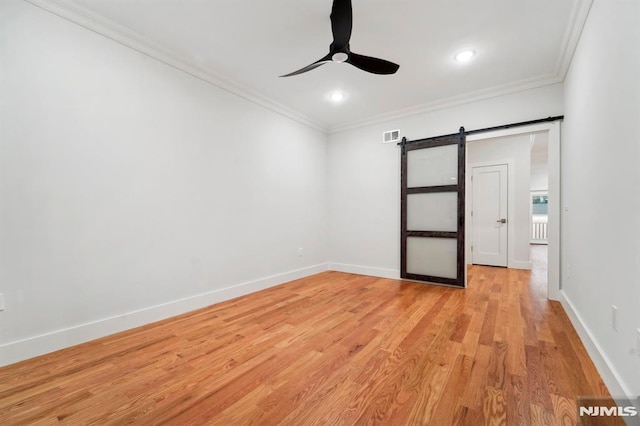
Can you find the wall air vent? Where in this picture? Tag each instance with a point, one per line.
(391, 136)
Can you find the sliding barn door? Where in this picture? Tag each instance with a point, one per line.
(432, 209)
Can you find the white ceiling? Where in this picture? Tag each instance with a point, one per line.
(245, 45)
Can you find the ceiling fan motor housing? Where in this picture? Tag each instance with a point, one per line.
(339, 57)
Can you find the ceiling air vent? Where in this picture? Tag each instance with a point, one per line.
(391, 136)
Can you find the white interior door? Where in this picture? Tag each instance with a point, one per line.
(489, 215)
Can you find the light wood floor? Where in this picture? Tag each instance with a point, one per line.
(331, 349)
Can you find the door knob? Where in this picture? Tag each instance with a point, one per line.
(501, 220)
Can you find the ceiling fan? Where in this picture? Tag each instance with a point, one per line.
(339, 51)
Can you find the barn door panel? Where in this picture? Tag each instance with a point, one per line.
(432, 209)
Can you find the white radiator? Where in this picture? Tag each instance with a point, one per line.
(539, 227)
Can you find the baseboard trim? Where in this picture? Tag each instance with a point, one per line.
(21, 350)
(520, 264)
(365, 270)
(608, 372)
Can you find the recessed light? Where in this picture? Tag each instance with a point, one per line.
(337, 97)
(464, 56)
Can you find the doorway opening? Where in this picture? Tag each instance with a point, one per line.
(539, 207)
(499, 201)
(515, 210)
(539, 185)
(518, 147)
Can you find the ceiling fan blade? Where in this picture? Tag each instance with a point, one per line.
(310, 67)
(339, 51)
(372, 65)
(341, 23)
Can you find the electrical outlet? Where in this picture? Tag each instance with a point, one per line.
(614, 317)
(1, 302)
(300, 251)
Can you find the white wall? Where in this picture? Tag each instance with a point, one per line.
(600, 181)
(131, 191)
(515, 151)
(540, 162)
(364, 175)
(539, 179)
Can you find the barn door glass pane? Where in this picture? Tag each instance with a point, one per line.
(436, 257)
(432, 166)
(432, 212)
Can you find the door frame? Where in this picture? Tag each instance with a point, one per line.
(510, 208)
(554, 283)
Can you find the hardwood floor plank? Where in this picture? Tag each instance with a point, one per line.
(333, 348)
(454, 389)
(470, 343)
(516, 357)
(564, 411)
(494, 407)
(498, 366)
(489, 323)
(537, 389)
(572, 348)
(478, 381)
(541, 416)
(462, 324)
(555, 375)
(426, 399)
(417, 399)
(518, 403)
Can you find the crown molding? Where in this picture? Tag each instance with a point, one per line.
(92, 21)
(466, 98)
(572, 35)
(570, 40)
